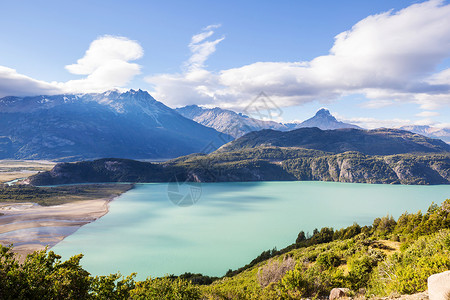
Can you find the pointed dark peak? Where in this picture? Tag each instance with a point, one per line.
(324, 120)
(323, 112)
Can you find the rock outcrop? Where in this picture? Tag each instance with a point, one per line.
(338, 293)
(439, 286)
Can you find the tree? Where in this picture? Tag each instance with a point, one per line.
(301, 237)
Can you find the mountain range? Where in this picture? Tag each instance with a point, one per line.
(237, 124)
(344, 155)
(111, 124)
(134, 125)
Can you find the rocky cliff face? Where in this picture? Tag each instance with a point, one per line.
(358, 168)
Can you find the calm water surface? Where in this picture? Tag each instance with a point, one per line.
(230, 225)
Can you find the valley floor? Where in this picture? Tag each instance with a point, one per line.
(31, 227)
(32, 218)
(17, 169)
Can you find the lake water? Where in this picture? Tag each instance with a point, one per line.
(231, 224)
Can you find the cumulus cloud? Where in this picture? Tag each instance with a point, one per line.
(388, 57)
(13, 83)
(105, 65)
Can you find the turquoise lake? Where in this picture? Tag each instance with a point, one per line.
(231, 223)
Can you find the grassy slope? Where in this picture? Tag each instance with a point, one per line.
(372, 263)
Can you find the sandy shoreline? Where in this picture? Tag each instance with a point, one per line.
(31, 227)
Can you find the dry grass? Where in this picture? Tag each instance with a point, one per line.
(15, 169)
(274, 270)
(390, 247)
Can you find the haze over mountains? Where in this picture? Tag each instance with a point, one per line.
(111, 124)
(433, 132)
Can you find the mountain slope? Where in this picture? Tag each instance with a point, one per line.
(112, 124)
(227, 121)
(371, 142)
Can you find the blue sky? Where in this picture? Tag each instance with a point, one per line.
(40, 38)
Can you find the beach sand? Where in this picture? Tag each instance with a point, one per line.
(30, 227)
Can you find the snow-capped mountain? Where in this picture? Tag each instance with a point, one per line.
(111, 124)
(227, 121)
(433, 132)
(237, 125)
(325, 120)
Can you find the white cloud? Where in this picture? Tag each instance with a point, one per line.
(195, 84)
(426, 114)
(106, 65)
(388, 57)
(104, 51)
(15, 84)
(371, 123)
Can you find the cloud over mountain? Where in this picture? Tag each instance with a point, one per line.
(392, 56)
(389, 57)
(106, 65)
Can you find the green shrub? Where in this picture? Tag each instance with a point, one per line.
(328, 259)
(165, 288)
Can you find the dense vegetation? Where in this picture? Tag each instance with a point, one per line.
(47, 196)
(261, 164)
(389, 257)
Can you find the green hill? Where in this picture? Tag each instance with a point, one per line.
(372, 142)
(260, 164)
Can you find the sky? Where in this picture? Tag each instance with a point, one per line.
(373, 63)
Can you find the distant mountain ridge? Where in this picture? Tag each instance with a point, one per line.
(227, 121)
(371, 142)
(86, 126)
(237, 125)
(433, 132)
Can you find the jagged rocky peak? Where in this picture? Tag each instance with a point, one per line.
(324, 120)
(323, 112)
(125, 124)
